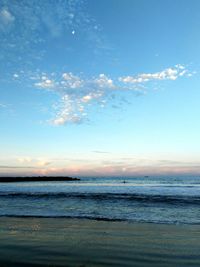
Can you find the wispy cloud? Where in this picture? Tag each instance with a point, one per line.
(25, 160)
(45, 83)
(167, 74)
(16, 167)
(105, 164)
(3, 105)
(25, 30)
(6, 19)
(78, 94)
(40, 162)
(43, 163)
(71, 81)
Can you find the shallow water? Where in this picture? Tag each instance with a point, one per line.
(140, 199)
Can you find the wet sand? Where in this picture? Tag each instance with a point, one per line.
(75, 242)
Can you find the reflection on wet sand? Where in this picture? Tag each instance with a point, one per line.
(72, 242)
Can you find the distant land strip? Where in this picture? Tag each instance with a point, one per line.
(36, 179)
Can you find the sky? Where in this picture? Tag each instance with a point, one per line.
(99, 88)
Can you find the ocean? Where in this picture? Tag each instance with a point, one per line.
(172, 200)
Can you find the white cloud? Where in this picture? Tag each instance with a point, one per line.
(71, 81)
(36, 161)
(43, 163)
(167, 74)
(25, 160)
(64, 118)
(90, 97)
(104, 82)
(15, 75)
(78, 94)
(70, 110)
(45, 83)
(86, 98)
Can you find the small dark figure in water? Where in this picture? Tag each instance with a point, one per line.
(124, 181)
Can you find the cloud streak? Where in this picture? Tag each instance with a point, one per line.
(105, 164)
(16, 167)
(167, 74)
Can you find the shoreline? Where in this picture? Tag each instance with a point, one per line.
(98, 219)
(83, 242)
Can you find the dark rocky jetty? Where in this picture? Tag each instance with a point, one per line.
(37, 179)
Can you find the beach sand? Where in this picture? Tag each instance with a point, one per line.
(81, 242)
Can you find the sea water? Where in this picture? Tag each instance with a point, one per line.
(139, 199)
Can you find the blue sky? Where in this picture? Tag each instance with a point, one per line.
(99, 87)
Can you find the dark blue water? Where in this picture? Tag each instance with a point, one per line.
(141, 199)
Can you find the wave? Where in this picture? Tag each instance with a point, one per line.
(63, 217)
(154, 198)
